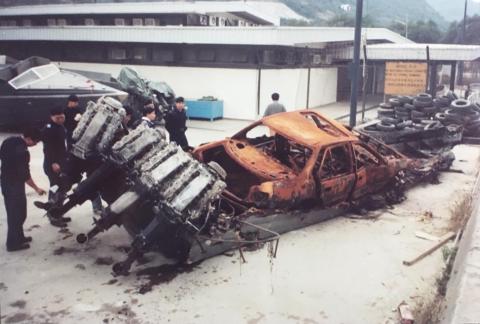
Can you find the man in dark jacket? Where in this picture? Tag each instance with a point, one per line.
(15, 173)
(72, 116)
(176, 123)
(54, 147)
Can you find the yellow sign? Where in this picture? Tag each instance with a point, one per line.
(404, 78)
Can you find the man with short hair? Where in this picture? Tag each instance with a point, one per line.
(275, 107)
(72, 116)
(15, 172)
(176, 122)
(54, 146)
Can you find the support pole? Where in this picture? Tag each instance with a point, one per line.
(453, 72)
(462, 41)
(428, 68)
(433, 79)
(364, 80)
(308, 87)
(356, 64)
(259, 89)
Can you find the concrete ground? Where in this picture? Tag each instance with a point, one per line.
(346, 270)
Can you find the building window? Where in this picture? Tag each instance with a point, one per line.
(150, 22)
(51, 22)
(206, 55)
(137, 22)
(12, 23)
(118, 54)
(89, 22)
(61, 22)
(140, 53)
(163, 56)
(189, 55)
(239, 56)
(119, 21)
(27, 22)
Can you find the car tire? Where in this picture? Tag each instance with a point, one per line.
(418, 114)
(440, 117)
(389, 121)
(385, 128)
(418, 104)
(424, 97)
(394, 102)
(430, 110)
(405, 99)
(460, 104)
(385, 105)
(402, 115)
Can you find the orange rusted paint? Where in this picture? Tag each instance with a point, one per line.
(304, 156)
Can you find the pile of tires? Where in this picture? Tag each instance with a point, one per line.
(461, 112)
(412, 112)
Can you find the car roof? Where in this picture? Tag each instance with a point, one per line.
(309, 128)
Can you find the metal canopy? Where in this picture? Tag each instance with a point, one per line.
(413, 52)
(262, 12)
(264, 35)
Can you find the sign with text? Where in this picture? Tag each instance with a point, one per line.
(405, 78)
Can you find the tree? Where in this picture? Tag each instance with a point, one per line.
(424, 32)
(453, 35)
(348, 20)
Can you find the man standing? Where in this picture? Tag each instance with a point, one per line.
(275, 107)
(15, 172)
(176, 123)
(54, 149)
(72, 116)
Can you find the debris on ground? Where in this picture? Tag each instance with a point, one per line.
(444, 240)
(406, 315)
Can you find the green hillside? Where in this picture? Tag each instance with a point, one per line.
(380, 12)
(453, 9)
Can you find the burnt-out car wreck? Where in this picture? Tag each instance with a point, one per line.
(282, 173)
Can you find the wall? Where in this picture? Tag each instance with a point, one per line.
(237, 87)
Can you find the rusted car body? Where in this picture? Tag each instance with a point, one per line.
(291, 158)
(243, 190)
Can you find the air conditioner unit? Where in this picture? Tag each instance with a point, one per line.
(328, 59)
(150, 22)
(241, 23)
(89, 22)
(221, 21)
(212, 21)
(61, 22)
(137, 22)
(317, 59)
(119, 21)
(203, 20)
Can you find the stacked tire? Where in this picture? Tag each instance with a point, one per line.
(461, 112)
(418, 112)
